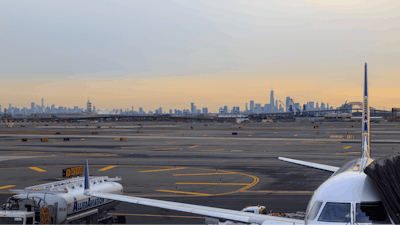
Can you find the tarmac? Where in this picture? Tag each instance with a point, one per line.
(223, 165)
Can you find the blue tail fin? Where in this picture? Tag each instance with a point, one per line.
(87, 187)
(366, 141)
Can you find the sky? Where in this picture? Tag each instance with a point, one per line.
(168, 54)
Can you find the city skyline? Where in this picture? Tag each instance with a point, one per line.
(242, 105)
(274, 105)
(210, 52)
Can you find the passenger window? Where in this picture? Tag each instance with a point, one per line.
(335, 212)
(314, 210)
(371, 212)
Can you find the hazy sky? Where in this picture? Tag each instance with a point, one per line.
(214, 53)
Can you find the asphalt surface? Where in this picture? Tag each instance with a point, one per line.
(206, 164)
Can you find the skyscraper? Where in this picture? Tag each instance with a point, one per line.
(251, 106)
(42, 103)
(322, 106)
(257, 108)
(310, 106)
(266, 108)
(89, 106)
(316, 106)
(235, 110)
(246, 107)
(288, 102)
(192, 108)
(205, 110)
(271, 101)
(296, 107)
(33, 108)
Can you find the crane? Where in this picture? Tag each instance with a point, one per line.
(292, 108)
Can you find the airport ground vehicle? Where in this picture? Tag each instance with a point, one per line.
(249, 209)
(61, 202)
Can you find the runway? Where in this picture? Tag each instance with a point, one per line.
(193, 163)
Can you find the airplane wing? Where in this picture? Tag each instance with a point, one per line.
(310, 164)
(227, 214)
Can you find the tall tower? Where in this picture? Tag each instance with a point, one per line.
(271, 101)
(42, 103)
(89, 106)
(287, 104)
(252, 106)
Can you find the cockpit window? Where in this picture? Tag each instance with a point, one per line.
(371, 212)
(335, 212)
(314, 210)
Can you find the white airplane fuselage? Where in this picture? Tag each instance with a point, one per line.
(348, 186)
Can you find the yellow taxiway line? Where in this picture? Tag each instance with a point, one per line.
(184, 192)
(8, 186)
(200, 174)
(106, 168)
(150, 171)
(347, 147)
(193, 146)
(214, 183)
(37, 169)
(347, 153)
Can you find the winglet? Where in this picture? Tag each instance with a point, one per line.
(87, 186)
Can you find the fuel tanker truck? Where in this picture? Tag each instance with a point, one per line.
(62, 202)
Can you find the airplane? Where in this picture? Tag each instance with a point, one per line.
(347, 197)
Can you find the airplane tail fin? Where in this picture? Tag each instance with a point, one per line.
(366, 141)
(87, 184)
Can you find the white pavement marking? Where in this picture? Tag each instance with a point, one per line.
(4, 158)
